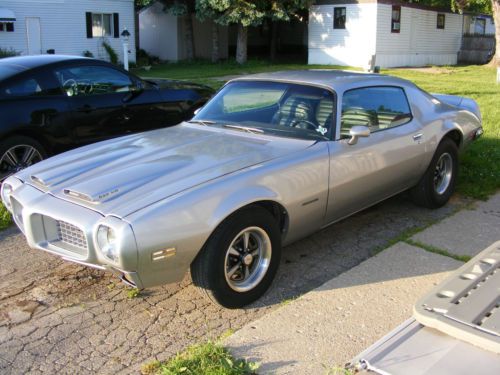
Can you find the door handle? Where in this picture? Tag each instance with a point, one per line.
(418, 137)
(86, 108)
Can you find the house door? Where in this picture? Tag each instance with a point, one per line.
(34, 36)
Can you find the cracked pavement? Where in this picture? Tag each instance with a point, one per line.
(61, 317)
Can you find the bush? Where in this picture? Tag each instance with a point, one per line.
(4, 52)
(113, 56)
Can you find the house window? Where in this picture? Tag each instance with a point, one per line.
(396, 19)
(102, 24)
(339, 17)
(440, 21)
(7, 26)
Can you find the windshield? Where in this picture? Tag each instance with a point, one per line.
(275, 108)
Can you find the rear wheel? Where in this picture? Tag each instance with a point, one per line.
(438, 183)
(17, 153)
(239, 261)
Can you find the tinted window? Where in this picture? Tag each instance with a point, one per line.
(378, 108)
(93, 80)
(276, 108)
(24, 87)
(7, 71)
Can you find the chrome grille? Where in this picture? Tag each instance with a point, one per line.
(71, 235)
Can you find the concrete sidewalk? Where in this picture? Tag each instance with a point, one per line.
(325, 328)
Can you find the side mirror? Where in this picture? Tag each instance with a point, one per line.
(134, 92)
(197, 110)
(356, 132)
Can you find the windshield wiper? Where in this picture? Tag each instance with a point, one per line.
(245, 128)
(202, 122)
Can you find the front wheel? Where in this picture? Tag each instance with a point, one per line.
(438, 183)
(239, 261)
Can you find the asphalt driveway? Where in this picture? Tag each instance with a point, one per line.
(60, 317)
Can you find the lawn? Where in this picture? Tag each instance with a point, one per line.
(480, 165)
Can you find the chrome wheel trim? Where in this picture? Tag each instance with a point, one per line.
(443, 173)
(247, 259)
(16, 158)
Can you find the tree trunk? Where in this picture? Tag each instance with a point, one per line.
(189, 36)
(241, 45)
(274, 41)
(496, 17)
(215, 42)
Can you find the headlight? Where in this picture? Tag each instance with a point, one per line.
(106, 240)
(6, 192)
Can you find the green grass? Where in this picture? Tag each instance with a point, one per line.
(210, 358)
(436, 250)
(5, 217)
(480, 164)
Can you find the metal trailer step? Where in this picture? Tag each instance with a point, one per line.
(467, 304)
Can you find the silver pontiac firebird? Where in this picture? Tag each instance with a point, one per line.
(270, 159)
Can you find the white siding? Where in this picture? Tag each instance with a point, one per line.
(63, 25)
(419, 42)
(158, 33)
(352, 46)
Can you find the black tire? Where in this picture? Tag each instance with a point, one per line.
(208, 270)
(425, 193)
(15, 144)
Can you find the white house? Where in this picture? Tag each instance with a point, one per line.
(350, 32)
(68, 27)
(162, 34)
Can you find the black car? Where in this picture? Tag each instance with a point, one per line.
(50, 104)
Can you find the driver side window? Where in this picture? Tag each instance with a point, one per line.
(378, 108)
(93, 80)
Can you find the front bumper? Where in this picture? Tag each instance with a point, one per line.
(67, 230)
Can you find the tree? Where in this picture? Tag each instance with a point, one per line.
(495, 5)
(242, 13)
(283, 11)
(184, 9)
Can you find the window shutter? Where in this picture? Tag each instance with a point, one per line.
(116, 24)
(88, 16)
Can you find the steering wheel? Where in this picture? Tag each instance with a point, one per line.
(70, 86)
(304, 124)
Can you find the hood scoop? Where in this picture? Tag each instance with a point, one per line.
(106, 187)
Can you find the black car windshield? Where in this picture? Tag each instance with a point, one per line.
(276, 108)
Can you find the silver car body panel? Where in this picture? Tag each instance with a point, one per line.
(167, 190)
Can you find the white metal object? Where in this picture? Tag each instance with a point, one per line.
(126, 36)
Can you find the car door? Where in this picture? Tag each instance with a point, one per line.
(376, 167)
(98, 97)
(31, 104)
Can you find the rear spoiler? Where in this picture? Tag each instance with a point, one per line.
(460, 102)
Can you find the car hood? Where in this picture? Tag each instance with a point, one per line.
(178, 85)
(123, 175)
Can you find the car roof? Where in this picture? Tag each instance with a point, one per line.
(29, 62)
(19, 64)
(335, 79)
